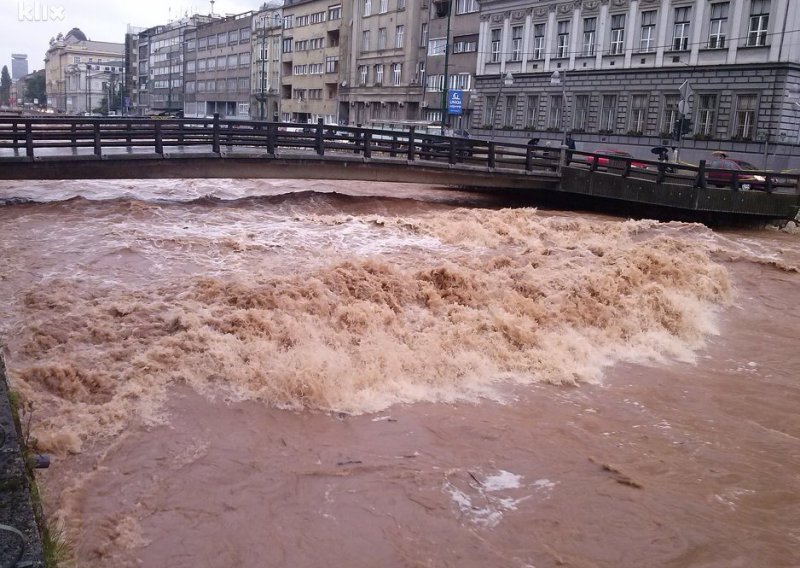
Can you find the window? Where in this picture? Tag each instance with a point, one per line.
(381, 38)
(288, 22)
(759, 21)
(212, 63)
(491, 106)
(401, 4)
(222, 39)
(365, 40)
(495, 58)
(201, 64)
(706, 115)
(233, 61)
(190, 66)
(680, 31)
(745, 118)
(397, 73)
(379, 74)
(435, 83)
(335, 12)
(221, 62)
(190, 86)
(638, 113)
(719, 25)
(562, 47)
(617, 34)
(367, 7)
(363, 75)
(647, 40)
(465, 44)
(244, 35)
(244, 59)
(202, 43)
(332, 64)
(419, 78)
(437, 46)
(589, 27)
(384, 6)
(423, 35)
(608, 113)
(287, 45)
(556, 106)
(191, 45)
(531, 111)
(244, 84)
(537, 51)
(461, 81)
(399, 36)
(466, 6)
(516, 43)
(244, 109)
(233, 37)
(511, 110)
(670, 116)
(581, 119)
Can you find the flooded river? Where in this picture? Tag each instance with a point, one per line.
(294, 373)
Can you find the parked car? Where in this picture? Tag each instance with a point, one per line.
(602, 161)
(724, 178)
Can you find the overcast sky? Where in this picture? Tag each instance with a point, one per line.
(26, 26)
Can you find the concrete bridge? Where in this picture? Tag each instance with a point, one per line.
(123, 148)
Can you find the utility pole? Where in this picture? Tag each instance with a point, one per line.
(683, 110)
(446, 87)
(263, 65)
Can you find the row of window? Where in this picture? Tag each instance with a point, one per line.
(382, 6)
(610, 120)
(309, 44)
(399, 38)
(334, 12)
(241, 85)
(222, 39)
(614, 42)
(307, 94)
(378, 74)
(219, 63)
(308, 69)
(459, 81)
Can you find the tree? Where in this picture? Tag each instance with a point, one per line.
(5, 87)
(116, 100)
(35, 89)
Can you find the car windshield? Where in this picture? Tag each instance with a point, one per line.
(746, 165)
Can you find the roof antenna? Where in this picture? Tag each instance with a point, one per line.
(212, 7)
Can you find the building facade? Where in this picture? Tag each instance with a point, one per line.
(91, 86)
(19, 66)
(458, 21)
(63, 55)
(265, 79)
(155, 61)
(310, 61)
(218, 68)
(616, 68)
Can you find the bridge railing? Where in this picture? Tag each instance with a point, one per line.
(685, 174)
(34, 137)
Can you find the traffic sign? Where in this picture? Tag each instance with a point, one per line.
(455, 99)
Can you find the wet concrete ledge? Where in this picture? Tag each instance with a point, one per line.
(20, 541)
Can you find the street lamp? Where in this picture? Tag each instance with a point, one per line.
(557, 79)
(506, 81)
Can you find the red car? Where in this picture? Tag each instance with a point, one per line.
(602, 161)
(746, 179)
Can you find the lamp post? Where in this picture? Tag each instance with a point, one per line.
(506, 81)
(557, 79)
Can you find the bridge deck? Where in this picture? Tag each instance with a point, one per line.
(85, 148)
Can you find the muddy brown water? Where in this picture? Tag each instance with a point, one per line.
(275, 373)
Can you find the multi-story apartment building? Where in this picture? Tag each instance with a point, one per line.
(384, 71)
(19, 66)
(310, 61)
(218, 68)
(265, 81)
(154, 58)
(453, 24)
(65, 54)
(621, 63)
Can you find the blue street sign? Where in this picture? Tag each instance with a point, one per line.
(455, 99)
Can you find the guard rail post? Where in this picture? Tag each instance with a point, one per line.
(29, 139)
(98, 150)
(215, 133)
(701, 175)
(159, 139)
(411, 145)
(320, 138)
(491, 157)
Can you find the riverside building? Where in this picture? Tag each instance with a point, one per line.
(612, 71)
